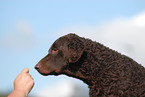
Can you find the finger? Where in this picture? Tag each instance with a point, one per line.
(30, 76)
(25, 70)
(27, 74)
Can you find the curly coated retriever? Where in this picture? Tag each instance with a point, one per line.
(107, 72)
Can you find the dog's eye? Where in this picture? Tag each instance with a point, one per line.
(55, 50)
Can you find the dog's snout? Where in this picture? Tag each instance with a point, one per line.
(37, 67)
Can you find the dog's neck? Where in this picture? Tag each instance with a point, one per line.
(84, 71)
(81, 70)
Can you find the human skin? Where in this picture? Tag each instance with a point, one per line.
(23, 84)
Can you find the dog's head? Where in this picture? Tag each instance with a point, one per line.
(65, 50)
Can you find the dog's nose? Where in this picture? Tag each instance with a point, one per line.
(37, 67)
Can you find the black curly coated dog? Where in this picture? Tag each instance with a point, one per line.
(107, 72)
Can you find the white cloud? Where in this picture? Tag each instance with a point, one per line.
(21, 37)
(126, 35)
(64, 88)
(139, 20)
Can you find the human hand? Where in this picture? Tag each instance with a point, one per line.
(23, 83)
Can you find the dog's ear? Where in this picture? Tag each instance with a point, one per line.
(75, 48)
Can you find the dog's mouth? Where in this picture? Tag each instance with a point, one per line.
(51, 73)
(47, 72)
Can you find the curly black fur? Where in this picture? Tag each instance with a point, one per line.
(107, 72)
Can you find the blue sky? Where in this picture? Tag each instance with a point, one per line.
(29, 27)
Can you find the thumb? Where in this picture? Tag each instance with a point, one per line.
(25, 70)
